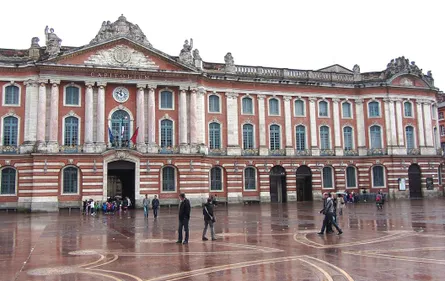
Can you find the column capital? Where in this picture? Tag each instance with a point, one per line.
(202, 90)
(232, 95)
(141, 86)
(287, 98)
(152, 87)
(31, 83)
(260, 97)
(335, 100)
(358, 101)
(89, 85)
(101, 84)
(42, 83)
(184, 88)
(54, 82)
(313, 99)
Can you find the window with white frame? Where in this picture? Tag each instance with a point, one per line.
(300, 138)
(71, 137)
(8, 181)
(10, 131)
(378, 177)
(374, 109)
(442, 130)
(408, 109)
(440, 115)
(299, 108)
(346, 109)
(323, 109)
(327, 178)
(409, 134)
(12, 95)
(166, 133)
(247, 136)
(274, 107)
(347, 138)
(274, 137)
(216, 179)
(214, 105)
(324, 138)
(247, 105)
(249, 178)
(70, 180)
(166, 100)
(214, 135)
(168, 179)
(72, 95)
(376, 137)
(351, 180)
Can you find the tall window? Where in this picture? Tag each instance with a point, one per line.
(120, 126)
(300, 138)
(249, 179)
(248, 136)
(299, 108)
(434, 111)
(71, 137)
(378, 179)
(215, 135)
(274, 107)
(350, 177)
(214, 103)
(274, 137)
(408, 109)
(346, 108)
(11, 95)
(70, 180)
(373, 108)
(440, 115)
(10, 129)
(324, 137)
(376, 137)
(168, 179)
(323, 109)
(215, 179)
(327, 177)
(409, 131)
(166, 133)
(166, 100)
(442, 130)
(71, 95)
(8, 181)
(247, 106)
(347, 138)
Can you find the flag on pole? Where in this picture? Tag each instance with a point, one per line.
(135, 135)
(110, 134)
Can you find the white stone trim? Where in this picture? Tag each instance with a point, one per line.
(253, 105)
(279, 106)
(372, 176)
(128, 158)
(328, 108)
(414, 135)
(220, 103)
(244, 179)
(295, 108)
(12, 83)
(222, 178)
(353, 135)
(16, 180)
(330, 136)
(280, 127)
(173, 98)
(332, 176)
(161, 179)
(2, 127)
(412, 109)
(220, 132)
(78, 180)
(166, 117)
(254, 136)
(382, 144)
(351, 110)
(305, 136)
(110, 114)
(356, 177)
(72, 84)
(380, 107)
(79, 129)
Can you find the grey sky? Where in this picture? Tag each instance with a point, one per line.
(291, 34)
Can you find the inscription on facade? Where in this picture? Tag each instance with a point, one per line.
(119, 75)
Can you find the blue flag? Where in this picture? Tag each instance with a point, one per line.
(110, 134)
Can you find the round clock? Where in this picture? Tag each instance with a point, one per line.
(121, 94)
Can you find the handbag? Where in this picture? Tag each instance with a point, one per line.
(211, 217)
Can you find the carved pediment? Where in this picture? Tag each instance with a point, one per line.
(123, 56)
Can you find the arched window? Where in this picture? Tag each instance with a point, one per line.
(408, 109)
(347, 138)
(300, 138)
(71, 137)
(299, 108)
(327, 177)
(275, 137)
(11, 95)
(346, 108)
(216, 179)
(376, 137)
(409, 131)
(247, 106)
(215, 135)
(323, 109)
(166, 100)
(373, 109)
(10, 131)
(249, 178)
(324, 137)
(8, 181)
(214, 103)
(378, 178)
(168, 179)
(70, 180)
(166, 133)
(120, 126)
(72, 95)
(274, 107)
(351, 177)
(247, 136)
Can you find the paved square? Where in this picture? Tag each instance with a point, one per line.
(404, 241)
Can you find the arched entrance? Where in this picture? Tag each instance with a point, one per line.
(415, 181)
(278, 190)
(304, 183)
(121, 180)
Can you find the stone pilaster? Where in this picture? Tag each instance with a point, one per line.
(337, 130)
(400, 149)
(262, 124)
(183, 134)
(361, 142)
(88, 136)
(388, 126)
(393, 127)
(429, 142)
(31, 105)
(53, 144)
(41, 118)
(140, 115)
(314, 132)
(200, 116)
(420, 129)
(152, 147)
(288, 126)
(100, 136)
(233, 147)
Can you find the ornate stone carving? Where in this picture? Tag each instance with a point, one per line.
(402, 65)
(261, 97)
(230, 63)
(121, 154)
(120, 28)
(185, 56)
(287, 98)
(358, 101)
(196, 54)
(406, 82)
(53, 42)
(121, 55)
(232, 95)
(356, 69)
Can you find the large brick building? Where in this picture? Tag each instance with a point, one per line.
(119, 117)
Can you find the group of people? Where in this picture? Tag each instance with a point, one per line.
(154, 206)
(112, 205)
(329, 210)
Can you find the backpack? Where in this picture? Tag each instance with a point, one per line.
(378, 198)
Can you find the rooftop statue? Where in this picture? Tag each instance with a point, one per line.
(53, 42)
(230, 63)
(402, 65)
(185, 55)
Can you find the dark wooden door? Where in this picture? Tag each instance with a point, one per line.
(415, 181)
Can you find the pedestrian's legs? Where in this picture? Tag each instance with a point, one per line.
(145, 211)
(325, 223)
(331, 218)
(155, 212)
(212, 230)
(181, 225)
(186, 229)
(204, 232)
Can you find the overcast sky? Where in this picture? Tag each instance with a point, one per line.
(291, 34)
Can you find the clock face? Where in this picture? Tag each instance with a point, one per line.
(121, 94)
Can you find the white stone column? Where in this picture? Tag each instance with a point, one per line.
(314, 132)
(41, 118)
(233, 147)
(400, 130)
(100, 136)
(201, 124)
(288, 126)
(152, 147)
(183, 134)
(361, 140)
(263, 150)
(53, 144)
(31, 105)
(420, 129)
(388, 126)
(393, 125)
(193, 119)
(88, 136)
(428, 124)
(140, 116)
(337, 130)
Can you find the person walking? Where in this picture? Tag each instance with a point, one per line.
(209, 219)
(323, 211)
(184, 218)
(155, 206)
(329, 216)
(146, 203)
(342, 204)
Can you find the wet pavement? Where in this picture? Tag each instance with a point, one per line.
(404, 241)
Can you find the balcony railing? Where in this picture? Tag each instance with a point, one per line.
(327, 152)
(218, 151)
(413, 151)
(350, 152)
(70, 148)
(377, 151)
(169, 150)
(9, 149)
(250, 152)
(304, 152)
(277, 152)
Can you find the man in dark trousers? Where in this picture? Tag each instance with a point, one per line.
(329, 216)
(184, 218)
(323, 211)
(209, 219)
(155, 206)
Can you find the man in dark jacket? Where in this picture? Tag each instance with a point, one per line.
(184, 218)
(329, 216)
(209, 219)
(323, 211)
(155, 206)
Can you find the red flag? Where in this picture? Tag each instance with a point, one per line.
(135, 135)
